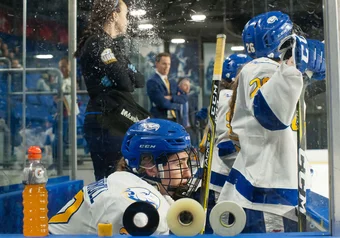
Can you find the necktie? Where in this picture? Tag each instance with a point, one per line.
(167, 83)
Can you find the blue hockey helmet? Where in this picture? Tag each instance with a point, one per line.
(161, 141)
(154, 137)
(232, 64)
(263, 34)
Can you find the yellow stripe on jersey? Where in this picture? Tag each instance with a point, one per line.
(294, 125)
(64, 217)
(123, 231)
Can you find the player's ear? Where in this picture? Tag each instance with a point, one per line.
(114, 16)
(151, 172)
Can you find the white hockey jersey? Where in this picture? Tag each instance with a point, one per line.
(264, 174)
(105, 202)
(224, 152)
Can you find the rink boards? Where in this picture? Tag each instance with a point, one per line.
(11, 205)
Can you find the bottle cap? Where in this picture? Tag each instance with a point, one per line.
(34, 152)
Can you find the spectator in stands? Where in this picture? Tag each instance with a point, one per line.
(110, 79)
(43, 83)
(17, 50)
(164, 93)
(1, 47)
(16, 64)
(16, 76)
(52, 81)
(64, 67)
(4, 49)
(184, 85)
(11, 55)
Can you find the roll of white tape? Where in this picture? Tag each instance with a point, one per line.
(186, 217)
(220, 214)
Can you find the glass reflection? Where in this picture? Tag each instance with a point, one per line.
(47, 94)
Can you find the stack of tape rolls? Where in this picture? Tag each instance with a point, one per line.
(227, 218)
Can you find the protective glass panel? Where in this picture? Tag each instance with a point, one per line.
(122, 78)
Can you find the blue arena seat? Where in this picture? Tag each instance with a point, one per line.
(33, 112)
(46, 100)
(32, 79)
(32, 99)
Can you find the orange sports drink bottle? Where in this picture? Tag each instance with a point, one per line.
(34, 196)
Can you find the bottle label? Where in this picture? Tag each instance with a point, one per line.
(35, 176)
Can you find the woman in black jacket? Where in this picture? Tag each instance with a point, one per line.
(110, 78)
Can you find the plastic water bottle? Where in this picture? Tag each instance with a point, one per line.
(35, 197)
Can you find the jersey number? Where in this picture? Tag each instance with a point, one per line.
(258, 84)
(250, 48)
(64, 217)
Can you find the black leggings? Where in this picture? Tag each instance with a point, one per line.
(105, 148)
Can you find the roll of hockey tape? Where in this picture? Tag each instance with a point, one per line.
(152, 219)
(185, 217)
(225, 224)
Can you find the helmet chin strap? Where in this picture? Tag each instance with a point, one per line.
(179, 192)
(160, 171)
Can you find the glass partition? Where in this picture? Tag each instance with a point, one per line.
(35, 87)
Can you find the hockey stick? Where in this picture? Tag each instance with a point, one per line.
(302, 160)
(309, 90)
(219, 57)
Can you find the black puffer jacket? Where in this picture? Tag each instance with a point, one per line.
(104, 58)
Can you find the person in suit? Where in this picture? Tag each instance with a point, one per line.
(164, 94)
(186, 114)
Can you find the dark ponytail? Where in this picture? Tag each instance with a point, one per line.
(101, 13)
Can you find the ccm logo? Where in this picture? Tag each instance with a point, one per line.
(147, 146)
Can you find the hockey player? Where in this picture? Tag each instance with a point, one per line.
(225, 149)
(263, 179)
(159, 164)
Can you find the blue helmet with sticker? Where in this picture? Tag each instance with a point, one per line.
(164, 146)
(232, 64)
(153, 137)
(263, 34)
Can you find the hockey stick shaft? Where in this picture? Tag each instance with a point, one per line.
(208, 154)
(302, 161)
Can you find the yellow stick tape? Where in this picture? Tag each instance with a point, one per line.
(218, 64)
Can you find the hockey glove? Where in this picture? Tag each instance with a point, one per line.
(316, 61)
(319, 76)
(202, 114)
(297, 47)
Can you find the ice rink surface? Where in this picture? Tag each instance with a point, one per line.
(319, 164)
